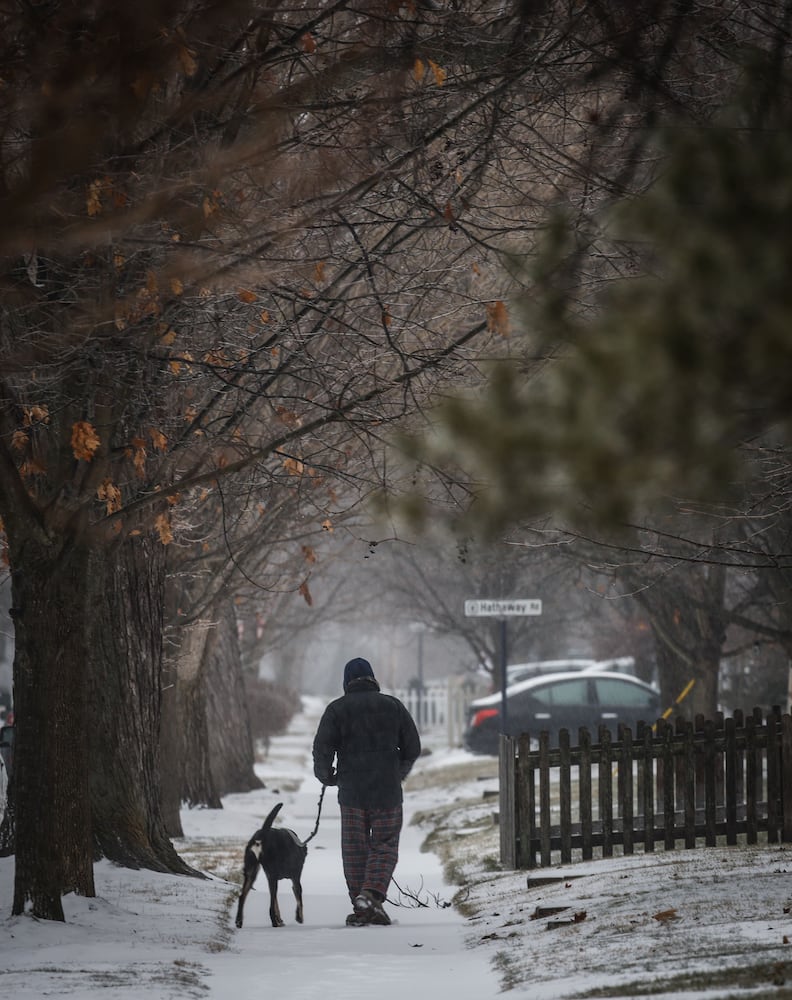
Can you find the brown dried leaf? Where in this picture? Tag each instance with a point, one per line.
(158, 439)
(306, 593)
(84, 440)
(35, 414)
(498, 318)
(110, 494)
(139, 456)
(163, 527)
(93, 200)
(19, 440)
(293, 466)
(187, 61)
(438, 72)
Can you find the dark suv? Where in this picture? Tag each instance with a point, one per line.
(561, 701)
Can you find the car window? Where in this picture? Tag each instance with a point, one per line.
(611, 691)
(571, 692)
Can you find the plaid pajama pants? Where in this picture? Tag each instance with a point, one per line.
(369, 847)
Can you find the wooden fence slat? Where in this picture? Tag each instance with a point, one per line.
(773, 759)
(544, 798)
(669, 833)
(565, 796)
(751, 790)
(646, 767)
(732, 765)
(626, 790)
(710, 836)
(605, 788)
(786, 778)
(689, 758)
(584, 791)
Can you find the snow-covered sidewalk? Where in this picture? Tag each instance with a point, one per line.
(168, 937)
(704, 924)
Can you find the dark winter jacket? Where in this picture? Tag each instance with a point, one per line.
(374, 742)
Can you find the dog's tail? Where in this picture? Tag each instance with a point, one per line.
(271, 818)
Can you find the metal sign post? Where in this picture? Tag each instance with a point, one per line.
(503, 609)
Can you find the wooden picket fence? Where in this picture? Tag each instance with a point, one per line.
(694, 784)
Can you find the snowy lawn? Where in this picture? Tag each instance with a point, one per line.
(701, 924)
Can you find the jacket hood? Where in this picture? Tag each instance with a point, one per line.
(357, 670)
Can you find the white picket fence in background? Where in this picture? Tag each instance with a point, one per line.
(440, 706)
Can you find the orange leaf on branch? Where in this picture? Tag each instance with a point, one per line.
(19, 440)
(35, 414)
(438, 72)
(84, 440)
(110, 494)
(163, 526)
(498, 318)
(158, 439)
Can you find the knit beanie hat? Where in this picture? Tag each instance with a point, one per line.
(356, 669)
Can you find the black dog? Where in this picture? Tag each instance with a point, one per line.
(282, 855)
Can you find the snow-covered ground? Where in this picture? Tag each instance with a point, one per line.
(706, 924)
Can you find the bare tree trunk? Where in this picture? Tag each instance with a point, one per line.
(231, 749)
(198, 787)
(51, 613)
(189, 734)
(124, 708)
(171, 751)
(206, 737)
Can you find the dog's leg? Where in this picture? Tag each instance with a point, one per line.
(275, 916)
(297, 890)
(251, 871)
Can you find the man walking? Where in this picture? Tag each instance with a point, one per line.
(373, 741)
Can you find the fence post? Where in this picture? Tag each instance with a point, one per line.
(506, 800)
(525, 807)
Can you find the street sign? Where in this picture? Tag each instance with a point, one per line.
(501, 608)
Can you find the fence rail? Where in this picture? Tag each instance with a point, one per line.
(685, 786)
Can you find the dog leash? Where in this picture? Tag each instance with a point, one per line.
(318, 814)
